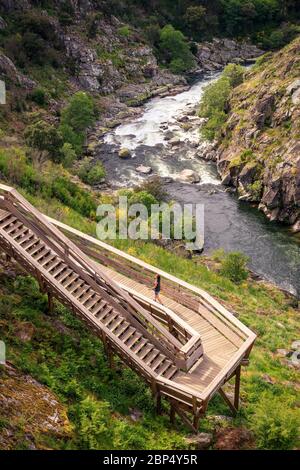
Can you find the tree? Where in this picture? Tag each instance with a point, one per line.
(234, 73)
(76, 117)
(175, 50)
(46, 139)
(79, 113)
(195, 20)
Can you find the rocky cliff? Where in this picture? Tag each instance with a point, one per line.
(259, 152)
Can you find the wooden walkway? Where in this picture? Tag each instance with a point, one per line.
(185, 349)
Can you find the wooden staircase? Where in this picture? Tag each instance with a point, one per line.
(186, 350)
(103, 311)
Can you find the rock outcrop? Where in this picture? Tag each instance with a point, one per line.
(260, 153)
(213, 56)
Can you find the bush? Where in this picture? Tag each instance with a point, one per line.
(15, 167)
(124, 31)
(79, 113)
(76, 117)
(215, 98)
(39, 96)
(91, 174)
(68, 155)
(275, 423)
(155, 187)
(143, 197)
(233, 266)
(234, 73)
(46, 139)
(175, 50)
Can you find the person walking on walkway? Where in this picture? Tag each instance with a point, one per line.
(157, 289)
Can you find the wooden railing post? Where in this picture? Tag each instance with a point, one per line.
(237, 387)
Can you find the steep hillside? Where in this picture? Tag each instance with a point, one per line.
(259, 151)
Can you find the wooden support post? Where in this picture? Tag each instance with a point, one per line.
(196, 421)
(172, 414)
(7, 258)
(226, 399)
(50, 303)
(237, 387)
(110, 356)
(158, 403)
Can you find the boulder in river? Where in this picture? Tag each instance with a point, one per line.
(174, 141)
(144, 170)
(124, 153)
(189, 176)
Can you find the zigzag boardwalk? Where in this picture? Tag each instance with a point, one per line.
(185, 350)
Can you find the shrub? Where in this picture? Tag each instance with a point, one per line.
(233, 266)
(68, 155)
(46, 139)
(234, 73)
(91, 174)
(275, 422)
(124, 31)
(79, 113)
(155, 187)
(215, 98)
(175, 50)
(39, 96)
(143, 197)
(76, 117)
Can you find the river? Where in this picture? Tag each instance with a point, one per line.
(230, 224)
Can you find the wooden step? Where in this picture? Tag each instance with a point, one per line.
(151, 356)
(89, 304)
(96, 309)
(40, 255)
(163, 367)
(74, 287)
(64, 275)
(58, 270)
(121, 329)
(89, 295)
(20, 233)
(48, 260)
(7, 221)
(127, 334)
(108, 316)
(145, 351)
(169, 374)
(116, 323)
(16, 226)
(137, 347)
(157, 362)
(35, 248)
(133, 339)
(67, 282)
(26, 245)
(79, 292)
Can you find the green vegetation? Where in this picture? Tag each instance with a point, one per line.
(53, 183)
(91, 173)
(76, 117)
(45, 139)
(175, 50)
(233, 266)
(215, 98)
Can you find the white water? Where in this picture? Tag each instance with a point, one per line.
(160, 116)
